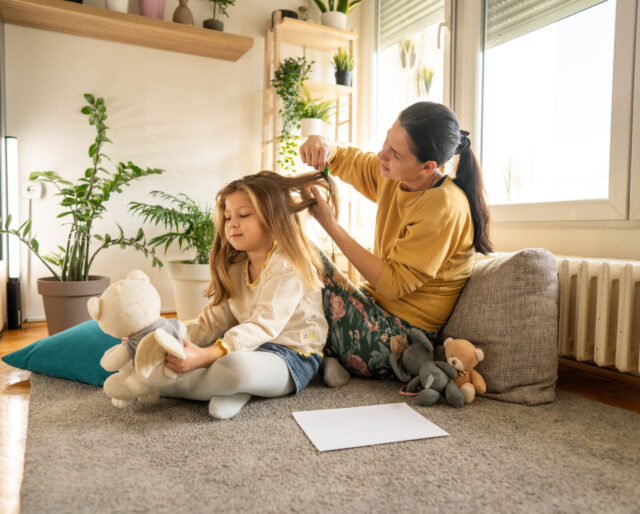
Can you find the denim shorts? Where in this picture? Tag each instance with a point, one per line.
(301, 367)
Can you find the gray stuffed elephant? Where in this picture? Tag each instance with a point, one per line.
(431, 380)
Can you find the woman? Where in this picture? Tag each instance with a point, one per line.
(427, 228)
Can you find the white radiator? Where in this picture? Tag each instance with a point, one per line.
(599, 312)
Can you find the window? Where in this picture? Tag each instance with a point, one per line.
(556, 108)
(413, 53)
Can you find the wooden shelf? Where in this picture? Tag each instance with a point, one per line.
(94, 22)
(326, 91)
(313, 35)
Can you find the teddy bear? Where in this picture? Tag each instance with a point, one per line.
(428, 380)
(464, 357)
(130, 309)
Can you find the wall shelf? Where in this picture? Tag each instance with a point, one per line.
(94, 22)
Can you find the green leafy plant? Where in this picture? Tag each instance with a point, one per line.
(313, 107)
(343, 6)
(221, 6)
(188, 223)
(343, 61)
(407, 53)
(425, 78)
(288, 79)
(84, 203)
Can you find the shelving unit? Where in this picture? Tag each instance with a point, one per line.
(94, 22)
(326, 39)
(307, 35)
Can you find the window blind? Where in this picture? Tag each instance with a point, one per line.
(400, 19)
(510, 19)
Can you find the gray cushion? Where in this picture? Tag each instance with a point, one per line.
(509, 308)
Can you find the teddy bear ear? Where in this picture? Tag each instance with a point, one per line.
(93, 306)
(447, 341)
(479, 354)
(137, 274)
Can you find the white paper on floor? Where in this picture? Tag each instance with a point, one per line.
(335, 429)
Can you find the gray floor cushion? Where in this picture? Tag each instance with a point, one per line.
(509, 308)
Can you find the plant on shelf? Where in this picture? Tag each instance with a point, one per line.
(425, 79)
(288, 80)
(343, 64)
(191, 226)
(334, 13)
(186, 222)
(313, 113)
(219, 6)
(407, 53)
(83, 203)
(343, 6)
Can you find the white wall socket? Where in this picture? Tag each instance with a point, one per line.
(32, 189)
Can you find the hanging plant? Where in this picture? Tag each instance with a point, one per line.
(425, 79)
(407, 54)
(288, 82)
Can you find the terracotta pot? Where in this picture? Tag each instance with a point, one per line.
(65, 303)
(190, 281)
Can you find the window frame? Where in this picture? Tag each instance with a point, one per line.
(624, 173)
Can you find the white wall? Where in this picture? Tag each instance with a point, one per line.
(195, 117)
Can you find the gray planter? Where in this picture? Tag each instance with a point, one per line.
(65, 303)
(213, 24)
(344, 77)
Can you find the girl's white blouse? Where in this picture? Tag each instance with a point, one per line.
(276, 308)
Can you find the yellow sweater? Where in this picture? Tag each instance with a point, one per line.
(425, 239)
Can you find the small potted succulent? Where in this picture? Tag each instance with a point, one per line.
(425, 79)
(313, 114)
(219, 6)
(66, 291)
(191, 226)
(334, 12)
(343, 64)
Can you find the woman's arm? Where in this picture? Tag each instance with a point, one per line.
(369, 266)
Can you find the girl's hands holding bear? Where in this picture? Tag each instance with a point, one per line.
(196, 357)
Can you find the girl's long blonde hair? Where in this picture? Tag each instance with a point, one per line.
(277, 200)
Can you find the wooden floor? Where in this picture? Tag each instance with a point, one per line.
(596, 384)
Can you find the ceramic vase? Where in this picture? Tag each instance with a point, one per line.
(152, 8)
(117, 5)
(183, 14)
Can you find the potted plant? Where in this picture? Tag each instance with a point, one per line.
(65, 293)
(335, 18)
(221, 6)
(288, 80)
(343, 64)
(407, 54)
(425, 79)
(313, 114)
(191, 225)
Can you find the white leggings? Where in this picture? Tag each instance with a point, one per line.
(257, 373)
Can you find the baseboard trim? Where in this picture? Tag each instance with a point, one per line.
(593, 369)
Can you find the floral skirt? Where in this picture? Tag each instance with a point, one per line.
(361, 333)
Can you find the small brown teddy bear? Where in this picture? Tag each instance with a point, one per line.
(463, 356)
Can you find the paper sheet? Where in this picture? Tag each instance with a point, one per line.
(335, 429)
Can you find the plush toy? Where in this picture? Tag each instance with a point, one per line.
(130, 308)
(463, 356)
(427, 379)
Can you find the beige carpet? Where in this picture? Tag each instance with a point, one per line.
(84, 456)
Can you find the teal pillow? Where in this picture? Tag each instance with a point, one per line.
(73, 354)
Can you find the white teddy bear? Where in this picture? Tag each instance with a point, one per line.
(130, 308)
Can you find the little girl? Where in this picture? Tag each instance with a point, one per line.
(266, 314)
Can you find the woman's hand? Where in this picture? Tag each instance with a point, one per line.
(316, 151)
(196, 357)
(322, 212)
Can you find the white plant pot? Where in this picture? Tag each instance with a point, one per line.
(190, 281)
(117, 5)
(335, 19)
(311, 127)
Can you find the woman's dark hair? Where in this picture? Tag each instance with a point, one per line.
(435, 135)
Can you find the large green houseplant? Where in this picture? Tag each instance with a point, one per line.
(288, 80)
(191, 226)
(82, 203)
